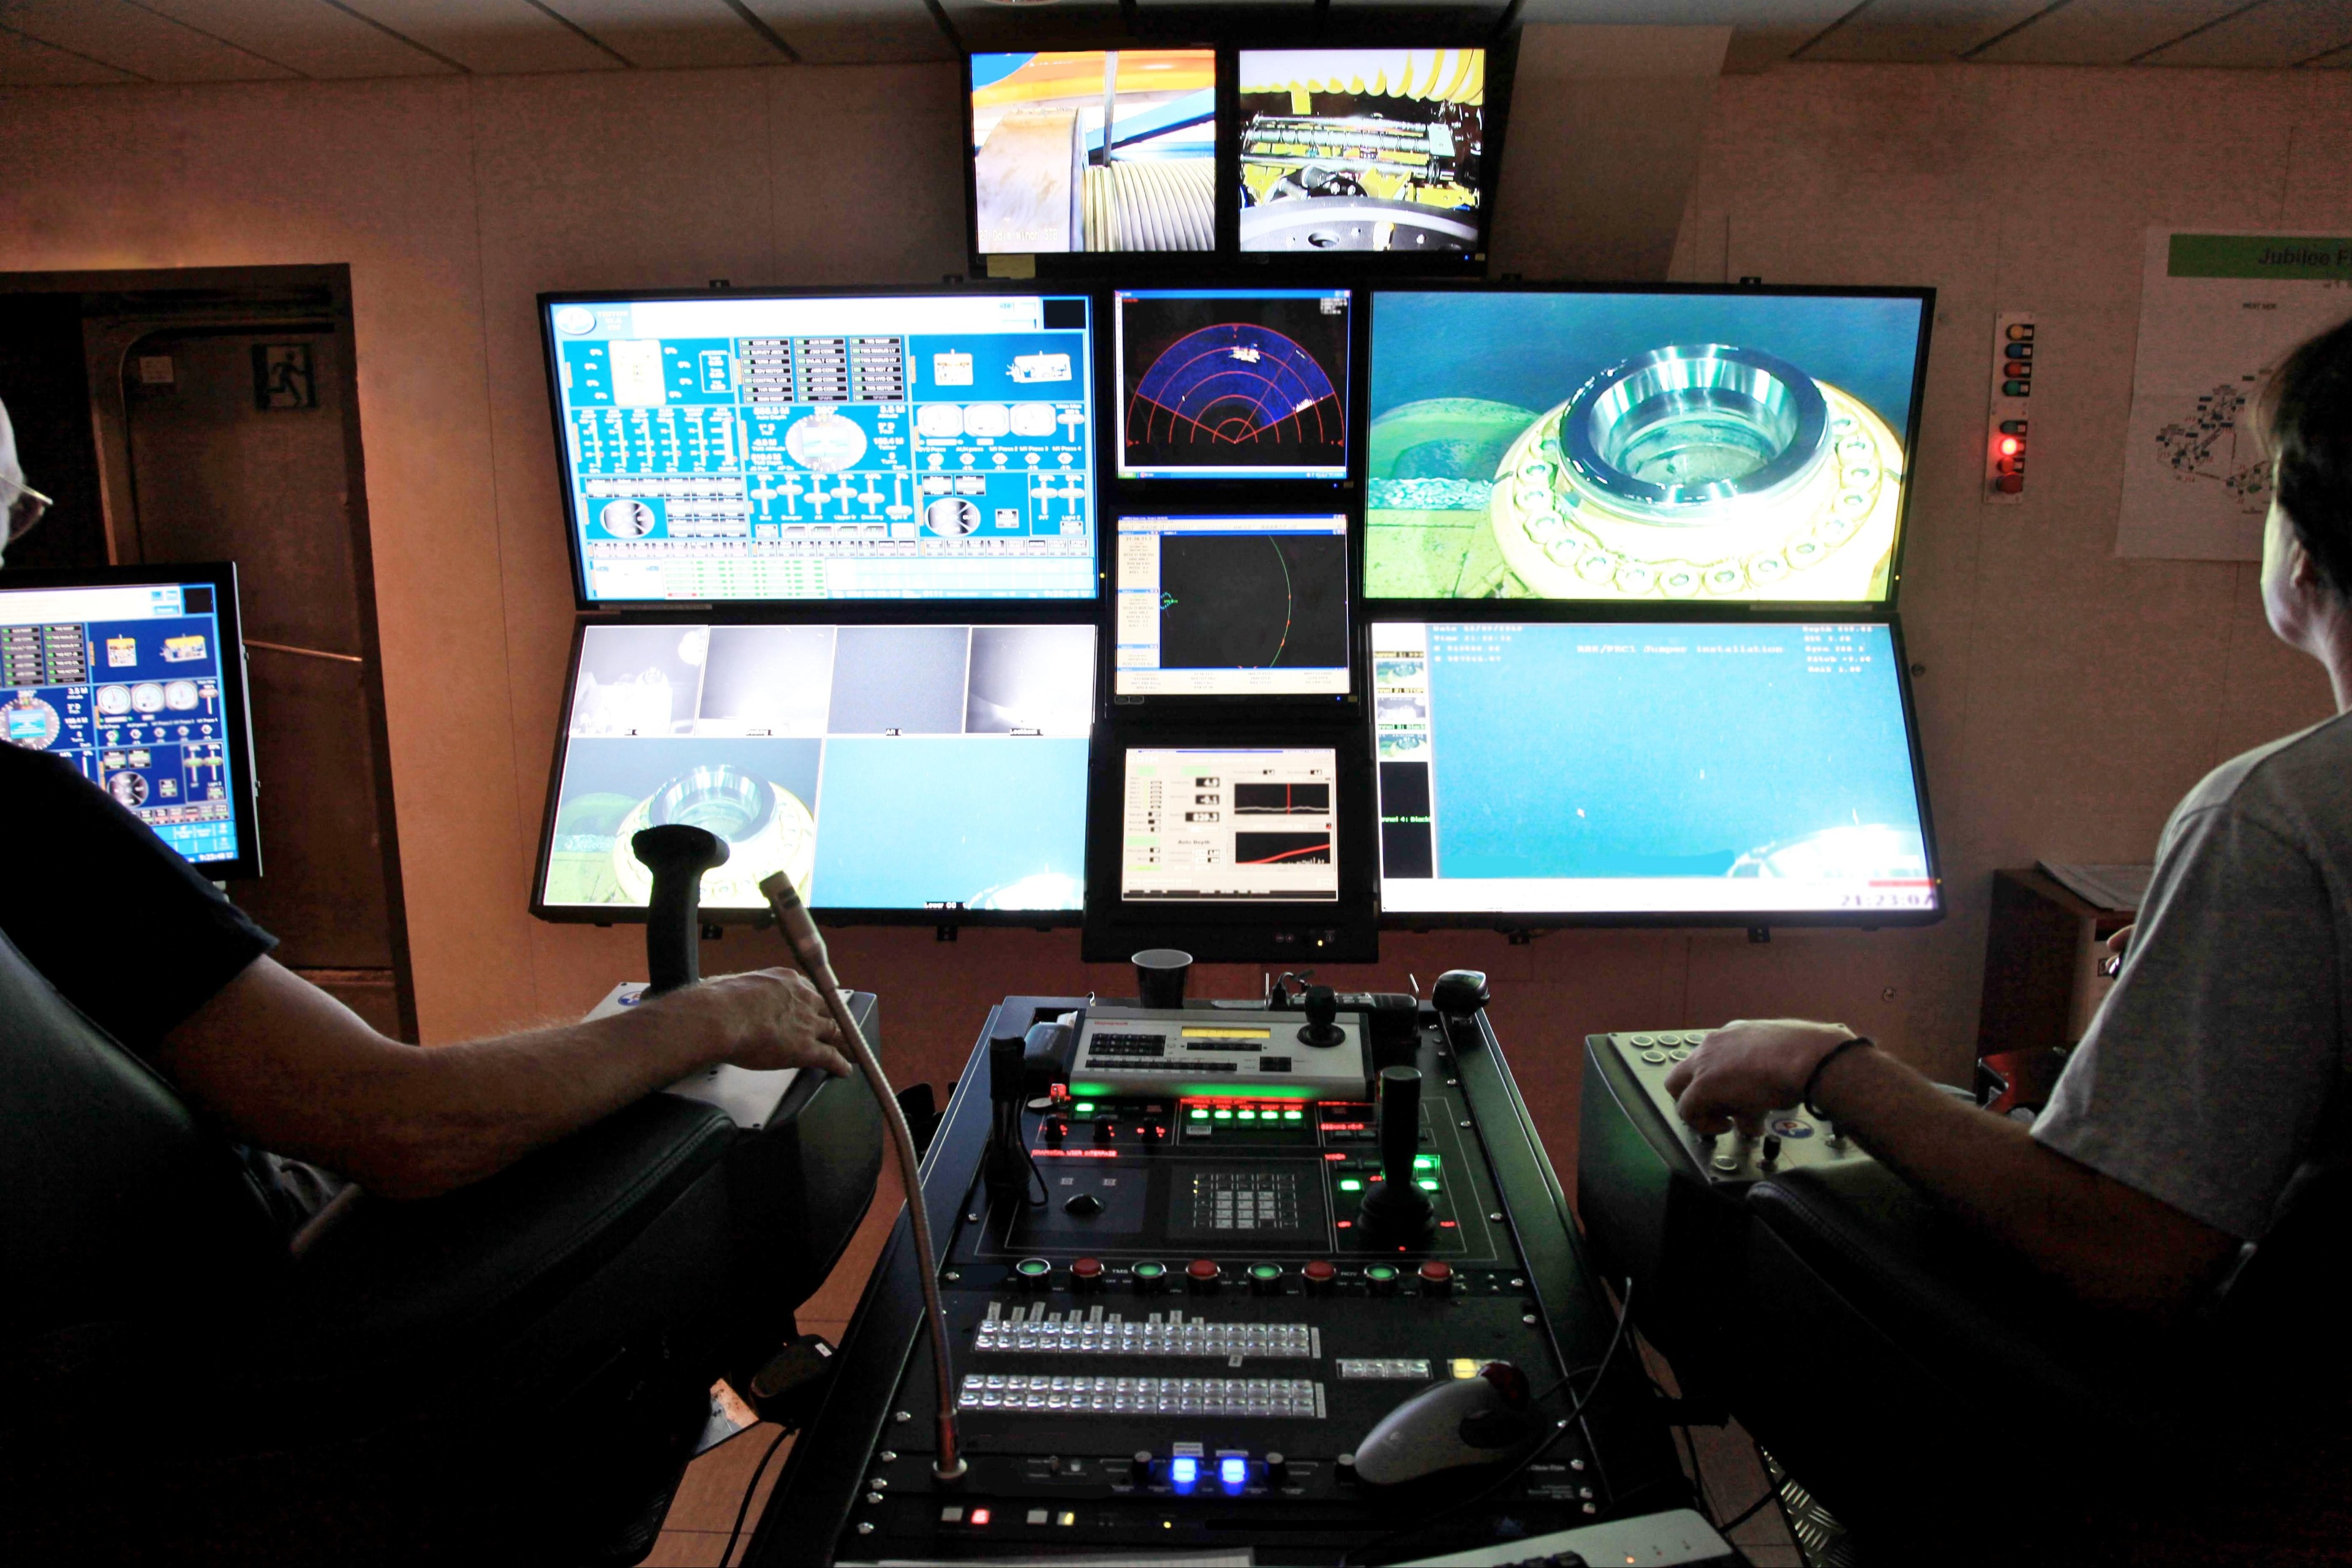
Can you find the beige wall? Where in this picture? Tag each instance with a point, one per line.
(2068, 698)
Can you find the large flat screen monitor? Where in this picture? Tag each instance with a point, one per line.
(1755, 773)
(1232, 606)
(723, 447)
(1707, 446)
(1094, 149)
(135, 676)
(917, 771)
(1358, 149)
(1231, 384)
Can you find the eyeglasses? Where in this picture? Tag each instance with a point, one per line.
(25, 508)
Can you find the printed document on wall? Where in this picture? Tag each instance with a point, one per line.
(2217, 313)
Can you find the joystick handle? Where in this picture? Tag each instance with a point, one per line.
(1322, 1019)
(677, 855)
(1400, 1207)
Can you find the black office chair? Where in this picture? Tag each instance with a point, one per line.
(515, 1373)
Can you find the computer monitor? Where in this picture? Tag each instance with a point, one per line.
(925, 773)
(135, 676)
(1364, 150)
(1700, 444)
(721, 448)
(1755, 772)
(1232, 606)
(1231, 384)
(1093, 150)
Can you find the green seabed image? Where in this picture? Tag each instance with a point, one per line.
(1431, 466)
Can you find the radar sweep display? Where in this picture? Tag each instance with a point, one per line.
(1232, 382)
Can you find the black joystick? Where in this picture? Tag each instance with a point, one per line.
(1322, 1014)
(677, 855)
(1460, 996)
(1398, 1210)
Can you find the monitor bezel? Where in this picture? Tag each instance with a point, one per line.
(1694, 609)
(1522, 921)
(238, 725)
(962, 608)
(883, 613)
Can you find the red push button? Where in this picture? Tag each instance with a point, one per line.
(1201, 1273)
(1086, 1271)
(1319, 1275)
(1437, 1276)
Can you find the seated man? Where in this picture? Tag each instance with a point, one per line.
(2218, 1070)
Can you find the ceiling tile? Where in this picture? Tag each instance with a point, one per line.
(306, 36)
(494, 37)
(28, 62)
(135, 39)
(1918, 30)
(2103, 32)
(855, 32)
(2335, 59)
(2274, 33)
(666, 35)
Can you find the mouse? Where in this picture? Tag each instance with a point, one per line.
(1467, 1421)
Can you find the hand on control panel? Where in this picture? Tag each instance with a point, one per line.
(1748, 1068)
(764, 1019)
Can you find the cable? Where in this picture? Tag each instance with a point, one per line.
(750, 1490)
(1750, 1512)
(801, 935)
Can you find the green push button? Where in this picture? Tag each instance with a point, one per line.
(1199, 1115)
(1245, 1115)
(1084, 1107)
(1151, 1270)
(1427, 1184)
(1033, 1269)
(1293, 1115)
(1424, 1162)
(1266, 1271)
(1350, 1184)
(1380, 1272)
(1224, 1116)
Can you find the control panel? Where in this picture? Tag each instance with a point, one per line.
(1791, 1139)
(1227, 1056)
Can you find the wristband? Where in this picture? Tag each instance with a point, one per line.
(1813, 1082)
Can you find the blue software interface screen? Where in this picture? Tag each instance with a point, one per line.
(1644, 768)
(884, 767)
(125, 682)
(1232, 382)
(899, 448)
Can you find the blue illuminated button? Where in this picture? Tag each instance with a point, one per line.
(1233, 1472)
(1184, 1473)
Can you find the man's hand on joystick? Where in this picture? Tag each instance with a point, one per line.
(764, 1019)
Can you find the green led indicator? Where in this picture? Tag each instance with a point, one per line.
(1224, 1116)
(1247, 1115)
(1199, 1114)
(1428, 1182)
(1293, 1115)
(1084, 1107)
(1150, 1270)
(1266, 1271)
(1420, 1162)
(1034, 1268)
(1380, 1271)
(1350, 1184)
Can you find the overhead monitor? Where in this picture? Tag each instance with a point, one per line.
(1749, 773)
(915, 772)
(1364, 150)
(136, 677)
(1231, 384)
(1706, 445)
(1094, 149)
(723, 447)
(1232, 606)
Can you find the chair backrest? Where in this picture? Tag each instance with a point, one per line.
(115, 1198)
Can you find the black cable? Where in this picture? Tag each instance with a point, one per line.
(1575, 1413)
(1745, 1514)
(1698, 1477)
(750, 1490)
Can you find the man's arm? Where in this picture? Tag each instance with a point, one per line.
(289, 1067)
(2112, 1245)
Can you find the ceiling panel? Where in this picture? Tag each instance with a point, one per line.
(28, 62)
(489, 36)
(2335, 59)
(1918, 30)
(134, 40)
(663, 34)
(845, 31)
(2274, 33)
(305, 35)
(2103, 32)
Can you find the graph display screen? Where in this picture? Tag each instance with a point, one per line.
(1731, 445)
(139, 686)
(1640, 768)
(903, 447)
(885, 767)
(1229, 825)
(1232, 382)
(1089, 150)
(1232, 606)
(1362, 150)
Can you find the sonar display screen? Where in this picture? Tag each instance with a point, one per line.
(1092, 149)
(899, 447)
(1699, 445)
(1232, 382)
(884, 767)
(1214, 606)
(1647, 769)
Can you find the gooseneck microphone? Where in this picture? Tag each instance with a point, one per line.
(808, 950)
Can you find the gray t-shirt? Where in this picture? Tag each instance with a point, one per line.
(2217, 1068)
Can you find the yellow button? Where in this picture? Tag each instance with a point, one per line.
(1465, 1367)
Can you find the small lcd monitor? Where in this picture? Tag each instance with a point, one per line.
(1364, 150)
(724, 447)
(1232, 606)
(135, 676)
(931, 772)
(1691, 445)
(1752, 772)
(1231, 384)
(1094, 149)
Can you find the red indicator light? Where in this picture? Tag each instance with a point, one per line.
(2009, 446)
(1335, 1156)
(1347, 1225)
(981, 1515)
(1446, 1225)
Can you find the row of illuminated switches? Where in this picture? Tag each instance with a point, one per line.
(1206, 1275)
(1096, 1334)
(1352, 1174)
(1297, 1397)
